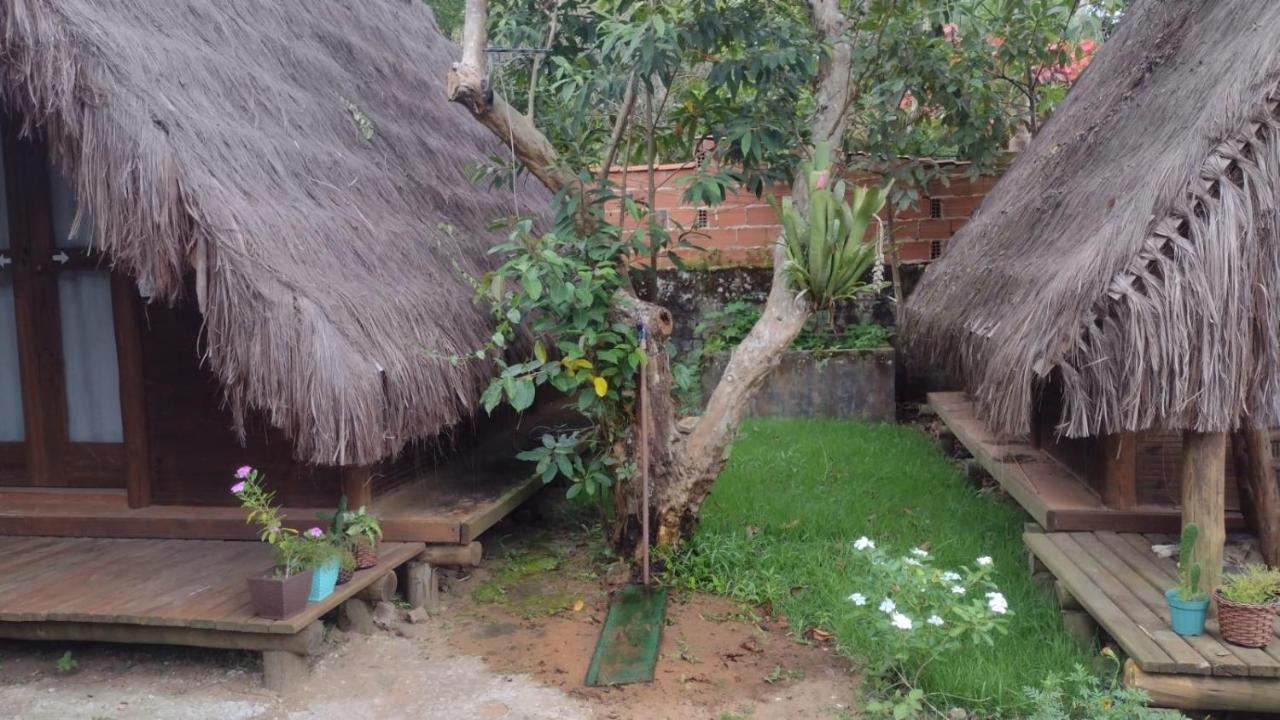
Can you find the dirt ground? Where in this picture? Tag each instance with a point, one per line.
(512, 640)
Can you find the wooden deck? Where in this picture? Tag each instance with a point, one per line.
(445, 509)
(1056, 497)
(1120, 582)
(173, 592)
(174, 583)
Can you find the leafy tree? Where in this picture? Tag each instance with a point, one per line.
(766, 81)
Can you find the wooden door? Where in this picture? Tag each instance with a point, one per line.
(70, 317)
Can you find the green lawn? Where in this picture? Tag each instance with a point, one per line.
(779, 523)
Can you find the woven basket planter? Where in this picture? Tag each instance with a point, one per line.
(1246, 625)
(366, 556)
(345, 575)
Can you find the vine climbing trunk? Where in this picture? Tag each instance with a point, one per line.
(684, 458)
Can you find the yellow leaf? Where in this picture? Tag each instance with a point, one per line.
(577, 607)
(602, 385)
(582, 363)
(540, 352)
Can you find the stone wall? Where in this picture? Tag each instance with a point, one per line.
(845, 384)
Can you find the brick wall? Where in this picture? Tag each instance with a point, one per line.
(740, 230)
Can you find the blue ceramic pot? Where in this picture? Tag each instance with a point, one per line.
(323, 580)
(1186, 616)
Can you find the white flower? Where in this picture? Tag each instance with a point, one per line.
(996, 603)
(863, 543)
(888, 606)
(935, 621)
(957, 589)
(920, 552)
(858, 599)
(911, 561)
(984, 560)
(900, 621)
(950, 577)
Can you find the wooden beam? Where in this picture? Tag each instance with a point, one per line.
(133, 396)
(1259, 492)
(468, 555)
(305, 642)
(1120, 470)
(357, 485)
(1199, 692)
(1204, 457)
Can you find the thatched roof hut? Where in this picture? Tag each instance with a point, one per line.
(296, 167)
(1132, 252)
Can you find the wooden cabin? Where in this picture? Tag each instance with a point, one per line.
(1111, 316)
(240, 234)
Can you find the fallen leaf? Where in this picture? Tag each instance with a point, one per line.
(820, 635)
(577, 606)
(792, 525)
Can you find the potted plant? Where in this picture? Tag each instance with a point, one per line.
(323, 554)
(282, 592)
(1187, 604)
(1247, 606)
(364, 532)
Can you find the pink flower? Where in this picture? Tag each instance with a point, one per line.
(951, 32)
(822, 180)
(243, 472)
(237, 488)
(315, 532)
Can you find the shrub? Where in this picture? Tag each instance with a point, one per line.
(1256, 585)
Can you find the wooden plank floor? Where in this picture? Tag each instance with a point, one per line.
(1121, 583)
(446, 507)
(1050, 492)
(175, 583)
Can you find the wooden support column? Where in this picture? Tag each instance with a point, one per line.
(1120, 470)
(1204, 457)
(133, 396)
(1259, 492)
(357, 485)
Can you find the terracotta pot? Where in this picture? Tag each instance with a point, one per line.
(279, 598)
(366, 556)
(1246, 625)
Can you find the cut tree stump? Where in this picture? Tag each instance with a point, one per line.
(383, 589)
(356, 616)
(468, 555)
(283, 671)
(421, 589)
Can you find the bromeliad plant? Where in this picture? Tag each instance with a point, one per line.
(916, 613)
(828, 253)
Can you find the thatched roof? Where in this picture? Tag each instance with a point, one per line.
(221, 141)
(1133, 247)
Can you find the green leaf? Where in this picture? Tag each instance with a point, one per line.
(532, 285)
(540, 351)
(523, 396)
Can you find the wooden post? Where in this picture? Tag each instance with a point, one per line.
(282, 670)
(1204, 457)
(133, 396)
(1120, 470)
(420, 586)
(357, 485)
(468, 555)
(1259, 492)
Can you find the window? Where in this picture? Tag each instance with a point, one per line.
(935, 249)
(701, 219)
(935, 208)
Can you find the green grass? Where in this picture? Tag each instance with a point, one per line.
(778, 526)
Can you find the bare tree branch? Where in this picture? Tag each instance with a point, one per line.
(468, 85)
(619, 127)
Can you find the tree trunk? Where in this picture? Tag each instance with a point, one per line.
(1259, 492)
(1204, 457)
(684, 467)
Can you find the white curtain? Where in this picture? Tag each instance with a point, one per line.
(11, 425)
(89, 357)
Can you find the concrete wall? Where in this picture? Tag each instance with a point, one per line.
(847, 384)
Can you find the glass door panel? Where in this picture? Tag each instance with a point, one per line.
(12, 426)
(89, 356)
(62, 203)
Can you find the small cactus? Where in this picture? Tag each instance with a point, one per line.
(1188, 571)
